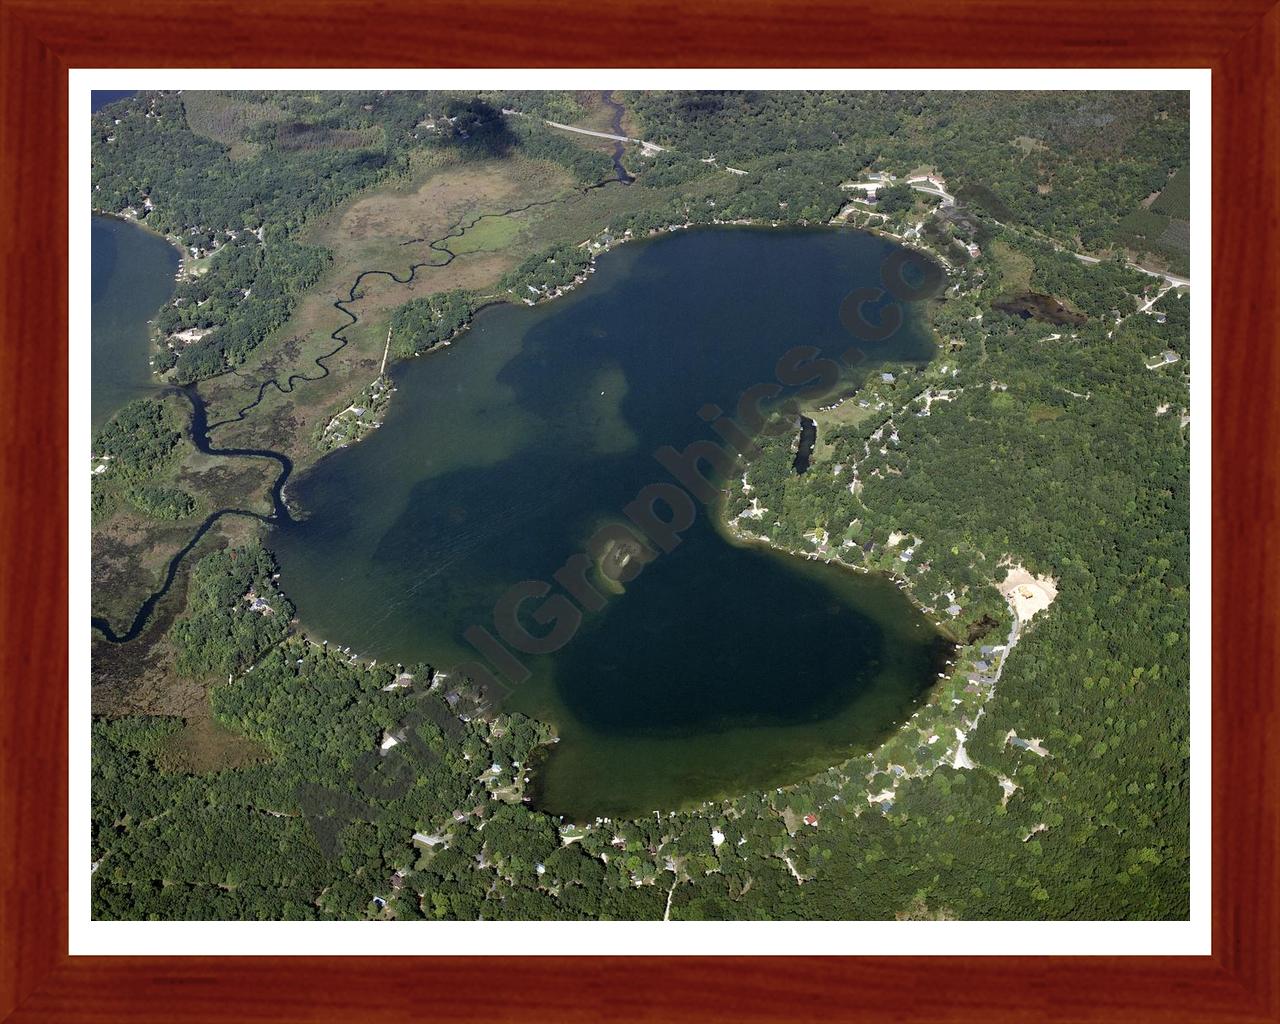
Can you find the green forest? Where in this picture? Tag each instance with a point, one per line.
(237, 192)
(423, 323)
(1059, 443)
(1069, 452)
(1069, 165)
(135, 456)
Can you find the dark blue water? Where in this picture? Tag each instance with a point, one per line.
(721, 666)
(132, 277)
(102, 97)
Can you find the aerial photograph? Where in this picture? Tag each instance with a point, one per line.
(640, 505)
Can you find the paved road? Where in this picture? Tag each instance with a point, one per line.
(925, 185)
(919, 184)
(1173, 279)
(649, 147)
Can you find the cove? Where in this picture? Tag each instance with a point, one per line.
(723, 667)
(132, 277)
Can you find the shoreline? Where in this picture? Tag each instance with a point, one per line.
(511, 299)
(722, 523)
(304, 465)
(140, 222)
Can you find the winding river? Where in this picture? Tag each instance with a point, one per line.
(616, 128)
(120, 321)
(724, 666)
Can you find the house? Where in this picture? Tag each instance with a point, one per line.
(887, 378)
(811, 819)
(974, 251)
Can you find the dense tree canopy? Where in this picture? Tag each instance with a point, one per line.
(392, 792)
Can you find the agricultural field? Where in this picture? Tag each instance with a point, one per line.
(1175, 198)
(1159, 231)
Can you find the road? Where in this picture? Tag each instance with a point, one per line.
(648, 147)
(926, 185)
(919, 184)
(933, 189)
(1173, 279)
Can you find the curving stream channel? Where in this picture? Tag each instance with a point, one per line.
(200, 427)
(725, 666)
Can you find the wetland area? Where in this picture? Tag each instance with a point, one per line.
(723, 667)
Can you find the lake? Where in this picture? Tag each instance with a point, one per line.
(100, 98)
(722, 667)
(132, 277)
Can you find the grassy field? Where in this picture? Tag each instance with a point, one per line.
(1014, 267)
(204, 744)
(390, 228)
(846, 414)
(492, 234)
(1027, 145)
(225, 118)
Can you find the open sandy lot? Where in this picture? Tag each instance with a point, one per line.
(1028, 594)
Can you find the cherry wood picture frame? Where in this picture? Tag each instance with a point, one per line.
(41, 39)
